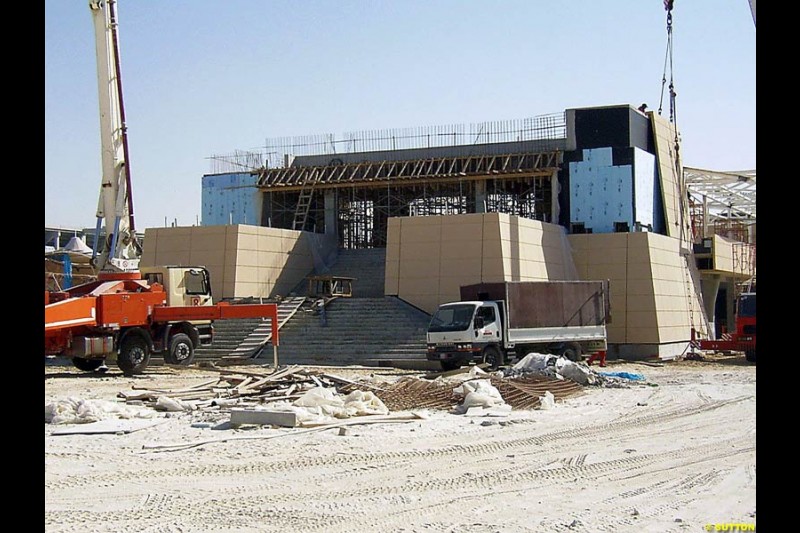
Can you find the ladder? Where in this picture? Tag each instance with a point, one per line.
(304, 201)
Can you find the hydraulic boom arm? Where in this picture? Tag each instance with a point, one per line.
(120, 250)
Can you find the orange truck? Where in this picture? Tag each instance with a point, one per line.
(129, 316)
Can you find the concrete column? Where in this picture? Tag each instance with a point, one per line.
(480, 196)
(331, 214)
(709, 287)
(555, 188)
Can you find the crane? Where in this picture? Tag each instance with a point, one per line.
(120, 250)
(129, 313)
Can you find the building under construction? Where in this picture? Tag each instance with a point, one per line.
(590, 193)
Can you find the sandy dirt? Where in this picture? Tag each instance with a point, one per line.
(676, 453)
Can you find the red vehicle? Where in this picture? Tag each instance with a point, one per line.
(743, 339)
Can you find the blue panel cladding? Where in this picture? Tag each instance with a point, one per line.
(600, 193)
(648, 205)
(231, 199)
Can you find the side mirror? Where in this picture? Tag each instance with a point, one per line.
(478, 322)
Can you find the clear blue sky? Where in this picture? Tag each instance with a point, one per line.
(203, 77)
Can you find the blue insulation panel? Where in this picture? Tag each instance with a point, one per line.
(647, 195)
(231, 199)
(600, 193)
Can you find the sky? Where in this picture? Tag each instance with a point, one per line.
(203, 78)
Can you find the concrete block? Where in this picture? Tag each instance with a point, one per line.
(269, 418)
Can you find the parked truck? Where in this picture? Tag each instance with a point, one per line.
(497, 322)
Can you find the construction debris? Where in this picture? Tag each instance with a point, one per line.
(315, 395)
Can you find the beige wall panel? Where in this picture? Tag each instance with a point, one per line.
(247, 229)
(422, 251)
(471, 230)
(607, 256)
(460, 250)
(450, 288)
(639, 287)
(426, 302)
(228, 290)
(640, 303)
(392, 269)
(247, 257)
(393, 231)
(639, 271)
(247, 242)
(174, 243)
(607, 271)
(642, 335)
(419, 234)
(493, 248)
(583, 271)
(391, 286)
(270, 243)
(205, 240)
(420, 269)
(493, 269)
(637, 320)
(616, 334)
(580, 241)
(205, 258)
(418, 285)
(392, 252)
(461, 268)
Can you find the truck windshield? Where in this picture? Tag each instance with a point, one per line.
(747, 305)
(452, 318)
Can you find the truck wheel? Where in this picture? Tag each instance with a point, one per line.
(750, 355)
(181, 350)
(87, 365)
(134, 355)
(572, 351)
(450, 365)
(493, 357)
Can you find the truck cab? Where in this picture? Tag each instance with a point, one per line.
(462, 332)
(184, 286)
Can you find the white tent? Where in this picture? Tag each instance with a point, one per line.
(76, 244)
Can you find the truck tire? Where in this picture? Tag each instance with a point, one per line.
(750, 355)
(87, 365)
(134, 355)
(181, 350)
(493, 357)
(572, 351)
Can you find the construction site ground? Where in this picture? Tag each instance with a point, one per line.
(675, 452)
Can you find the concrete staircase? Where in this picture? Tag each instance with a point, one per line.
(367, 265)
(366, 329)
(375, 331)
(241, 338)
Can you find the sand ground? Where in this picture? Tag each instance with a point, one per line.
(674, 454)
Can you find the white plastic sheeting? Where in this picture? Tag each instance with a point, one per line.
(321, 403)
(77, 411)
(478, 393)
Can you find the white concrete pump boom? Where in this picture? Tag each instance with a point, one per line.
(120, 250)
